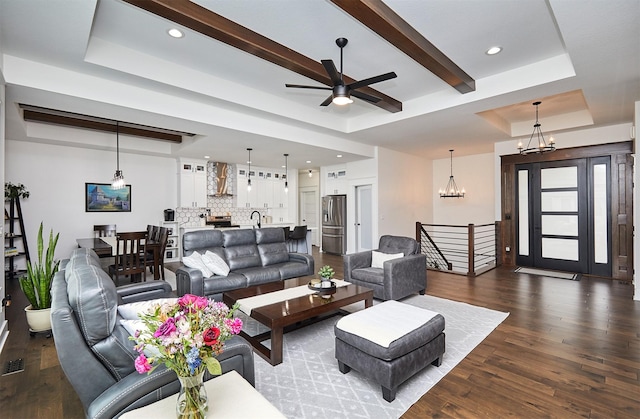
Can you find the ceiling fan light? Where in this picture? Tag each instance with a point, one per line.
(341, 95)
(342, 100)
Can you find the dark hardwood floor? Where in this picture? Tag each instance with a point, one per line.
(567, 349)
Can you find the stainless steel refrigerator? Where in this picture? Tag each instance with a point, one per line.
(334, 219)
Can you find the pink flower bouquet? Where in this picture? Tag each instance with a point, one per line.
(185, 335)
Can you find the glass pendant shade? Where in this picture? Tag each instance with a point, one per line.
(249, 171)
(286, 171)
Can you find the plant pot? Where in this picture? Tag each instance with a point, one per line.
(38, 320)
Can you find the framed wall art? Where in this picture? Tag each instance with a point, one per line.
(101, 197)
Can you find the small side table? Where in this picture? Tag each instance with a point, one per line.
(230, 396)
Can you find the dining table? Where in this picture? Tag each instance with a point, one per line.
(107, 247)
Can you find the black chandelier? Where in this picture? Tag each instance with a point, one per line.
(541, 145)
(451, 191)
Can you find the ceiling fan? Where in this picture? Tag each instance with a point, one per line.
(341, 93)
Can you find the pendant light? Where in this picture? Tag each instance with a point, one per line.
(452, 191)
(249, 171)
(118, 177)
(286, 171)
(541, 145)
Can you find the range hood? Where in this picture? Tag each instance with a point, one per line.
(222, 180)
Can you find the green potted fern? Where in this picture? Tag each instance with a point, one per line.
(36, 285)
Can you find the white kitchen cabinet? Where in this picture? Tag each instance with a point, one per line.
(245, 198)
(280, 197)
(264, 191)
(336, 182)
(193, 183)
(267, 188)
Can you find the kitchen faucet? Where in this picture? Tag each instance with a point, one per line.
(259, 217)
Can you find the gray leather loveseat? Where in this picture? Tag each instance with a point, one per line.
(94, 348)
(254, 256)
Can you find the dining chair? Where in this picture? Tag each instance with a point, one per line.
(104, 230)
(128, 260)
(298, 233)
(159, 241)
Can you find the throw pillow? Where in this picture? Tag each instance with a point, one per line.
(131, 326)
(215, 263)
(378, 258)
(194, 260)
(130, 311)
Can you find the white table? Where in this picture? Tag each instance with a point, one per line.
(230, 396)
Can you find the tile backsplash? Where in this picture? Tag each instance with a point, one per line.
(218, 206)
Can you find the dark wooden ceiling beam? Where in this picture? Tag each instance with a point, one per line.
(87, 122)
(208, 23)
(378, 17)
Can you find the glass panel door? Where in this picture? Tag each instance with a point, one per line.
(560, 213)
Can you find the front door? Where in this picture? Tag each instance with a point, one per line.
(563, 215)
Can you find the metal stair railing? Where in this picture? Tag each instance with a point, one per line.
(470, 250)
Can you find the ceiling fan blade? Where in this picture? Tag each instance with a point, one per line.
(365, 96)
(299, 86)
(332, 72)
(372, 80)
(327, 101)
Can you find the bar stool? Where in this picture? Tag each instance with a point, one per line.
(298, 233)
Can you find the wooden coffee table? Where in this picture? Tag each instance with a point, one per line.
(289, 314)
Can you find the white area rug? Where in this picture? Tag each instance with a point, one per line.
(308, 383)
(544, 272)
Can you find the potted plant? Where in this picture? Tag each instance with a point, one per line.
(12, 191)
(326, 273)
(36, 285)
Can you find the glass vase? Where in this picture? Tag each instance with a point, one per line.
(192, 399)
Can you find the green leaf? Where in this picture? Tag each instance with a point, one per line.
(213, 366)
(37, 284)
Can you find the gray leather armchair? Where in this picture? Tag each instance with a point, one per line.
(398, 278)
(94, 348)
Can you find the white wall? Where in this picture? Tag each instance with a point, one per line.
(405, 192)
(55, 176)
(473, 173)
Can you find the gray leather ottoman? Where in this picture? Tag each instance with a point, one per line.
(389, 343)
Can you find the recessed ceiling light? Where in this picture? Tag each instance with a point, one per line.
(339, 156)
(175, 33)
(207, 157)
(308, 161)
(493, 50)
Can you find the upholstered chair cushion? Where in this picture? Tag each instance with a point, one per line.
(397, 244)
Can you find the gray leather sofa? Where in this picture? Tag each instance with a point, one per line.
(398, 278)
(94, 349)
(255, 256)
